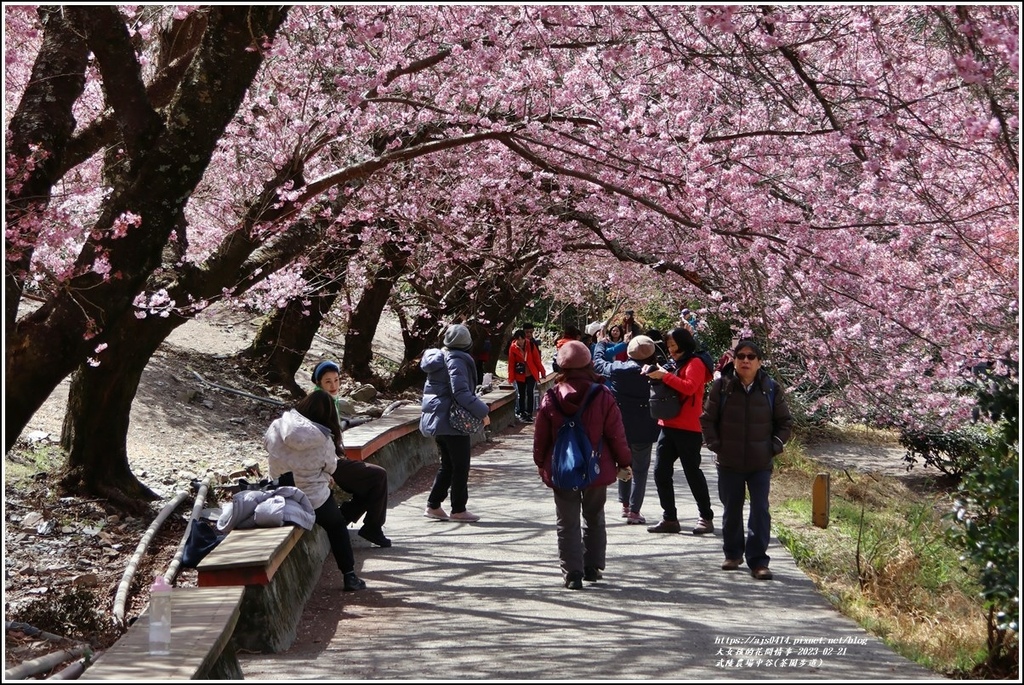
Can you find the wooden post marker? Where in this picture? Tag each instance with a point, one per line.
(821, 492)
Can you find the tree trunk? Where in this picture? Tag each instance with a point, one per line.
(53, 341)
(417, 339)
(367, 313)
(43, 119)
(284, 338)
(95, 432)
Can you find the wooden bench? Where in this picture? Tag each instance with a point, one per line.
(279, 568)
(202, 623)
(364, 440)
(369, 438)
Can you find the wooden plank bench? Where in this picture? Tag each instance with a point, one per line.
(365, 439)
(202, 623)
(279, 568)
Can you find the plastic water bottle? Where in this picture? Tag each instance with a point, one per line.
(160, 616)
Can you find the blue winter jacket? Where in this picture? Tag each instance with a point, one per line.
(437, 391)
(632, 392)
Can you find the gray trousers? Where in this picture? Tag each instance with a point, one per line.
(632, 492)
(581, 543)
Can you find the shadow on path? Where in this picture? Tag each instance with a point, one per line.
(485, 601)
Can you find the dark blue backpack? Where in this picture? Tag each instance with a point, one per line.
(574, 463)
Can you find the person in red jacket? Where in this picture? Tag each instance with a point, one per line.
(581, 550)
(528, 373)
(517, 374)
(681, 436)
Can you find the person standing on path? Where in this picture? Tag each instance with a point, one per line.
(518, 375)
(632, 391)
(451, 378)
(535, 371)
(746, 423)
(681, 434)
(305, 442)
(581, 547)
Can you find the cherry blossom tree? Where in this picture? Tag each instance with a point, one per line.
(161, 160)
(842, 179)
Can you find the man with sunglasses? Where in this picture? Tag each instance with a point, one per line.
(746, 422)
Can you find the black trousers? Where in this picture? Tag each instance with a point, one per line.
(330, 518)
(524, 396)
(368, 485)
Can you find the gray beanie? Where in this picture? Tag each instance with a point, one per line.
(457, 337)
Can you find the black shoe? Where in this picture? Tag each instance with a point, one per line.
(374, 535)
(574, 580)
(354, 582)
(592, 574)
(527, 419)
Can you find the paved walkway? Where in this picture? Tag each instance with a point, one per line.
(485, 601)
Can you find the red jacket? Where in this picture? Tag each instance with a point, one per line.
(689, 382)
(515, 355)
(534, 364)
(602, 420)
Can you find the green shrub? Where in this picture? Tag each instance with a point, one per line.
(987, 515)
(954, 453)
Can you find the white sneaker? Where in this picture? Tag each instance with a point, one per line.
(439, 514)
(465, 516)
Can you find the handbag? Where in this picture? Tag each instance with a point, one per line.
(664, 401)
(460, 418)
(202, 538)
(520, 367)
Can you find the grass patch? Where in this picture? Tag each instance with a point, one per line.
(884, 561)
(26, 461)
(859, 434)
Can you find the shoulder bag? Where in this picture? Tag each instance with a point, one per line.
(460, 418)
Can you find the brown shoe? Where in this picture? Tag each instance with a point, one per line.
(761, 573)
(665, 527)
(731, 564)
(704, 527)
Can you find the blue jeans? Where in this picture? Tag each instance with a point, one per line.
(632, 492)
(453, 473)
(732, 488)
(675, 443)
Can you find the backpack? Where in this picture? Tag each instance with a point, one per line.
(665, 402)
(574, 463)
(773, 388)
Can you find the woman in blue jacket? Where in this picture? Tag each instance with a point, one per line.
(632, 391)
(451, 377)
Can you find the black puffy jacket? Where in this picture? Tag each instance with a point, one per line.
(746, 430)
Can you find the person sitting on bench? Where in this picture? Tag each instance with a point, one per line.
(367, 483)
(305, 442)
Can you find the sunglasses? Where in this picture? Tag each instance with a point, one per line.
(742, 356)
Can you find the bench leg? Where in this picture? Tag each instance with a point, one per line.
(226, 667)
(270, 614)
